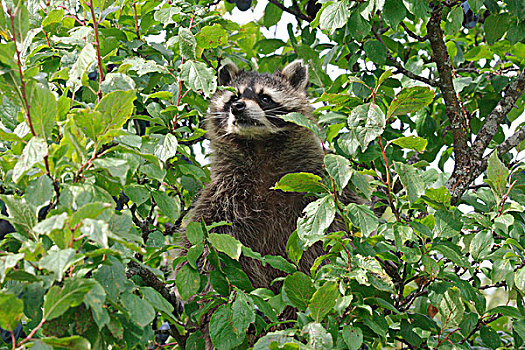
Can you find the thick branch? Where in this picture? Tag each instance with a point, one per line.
(512, 92)
(134, 269)
(298, 14)
(512, 141)
(458, 122)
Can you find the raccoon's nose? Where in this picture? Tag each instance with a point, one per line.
(238, 107)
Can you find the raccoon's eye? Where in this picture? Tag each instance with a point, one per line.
(265, 99)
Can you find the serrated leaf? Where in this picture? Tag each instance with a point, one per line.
(301, 120)
(519, 279)
(301, 182)
(334, 16)
(113, 278)
(411, 179)
(33, 153)
(353, 337)
(59, 300)
(323, 301)
(317, 217)
(58, 261)
(226, 244)
(410, 100)
(299, 290)
(416, 143)
(222, 333)
(363, 217)
(21, 215)
(338, 168)
(243, 314)
(167, 148)
(43, 111)
(199, 77)
(213, 36)
(168, 205)
(141, 312)
(187, 281)
(187, 43)
(451, 307)
(497, 175)
(12, 311)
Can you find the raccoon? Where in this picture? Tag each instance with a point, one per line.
(252, 149)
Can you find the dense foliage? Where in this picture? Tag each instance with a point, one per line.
(101, 111)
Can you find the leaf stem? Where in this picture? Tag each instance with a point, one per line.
(97, 44)
(388, 182)
(28, 338)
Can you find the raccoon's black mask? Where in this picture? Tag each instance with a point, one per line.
(253, 111)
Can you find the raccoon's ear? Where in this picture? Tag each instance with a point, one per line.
(226, 73)
(297, 74)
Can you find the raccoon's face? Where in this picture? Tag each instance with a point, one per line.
(253, 109)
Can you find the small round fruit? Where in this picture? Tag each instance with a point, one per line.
(244, 5)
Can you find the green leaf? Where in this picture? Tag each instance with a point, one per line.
(86, 57)
(301, 120)
(169, 206)
(438, 195)
(12, 311)
(357, 26)
(416, 143)
(366, 122)
(363, 217)
(451, 307)
(394, 12)
(113, 278)
(39, 191)
(299, 290)
(410, 100)
(481, 245)
(353, 337)
(141, 312)
(222, 334)
(58, 261)
(318, 216)
(272, 15)
(226, 244)
(490, 337)
(137, 194)
(73, 343)
(301, 182)
(21, 215)
(334, 16)
(34, 153)
(454, 20)
(142, 66)
(194, 232)
(55, 222)
(59, 300)
(323, 301)
(213, 36)
(97, 231)
(243, 314)
(411, 180)
(375, 51)
(318, 336)
(519, 279)
(199, 77)
(167, 148)
(187, 281)
(448, 223)
(43, 111)
(116, 167)
(117, 81)
(95, 299)
(496, 25)
(187, 43)
(475, 5)
(497, 175)
(165, 15)
(338, 168)
(157, 300)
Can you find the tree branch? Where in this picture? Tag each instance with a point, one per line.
(298, 14)
(458, 122)
(135, 269)
(511, 94)
(399, 66)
